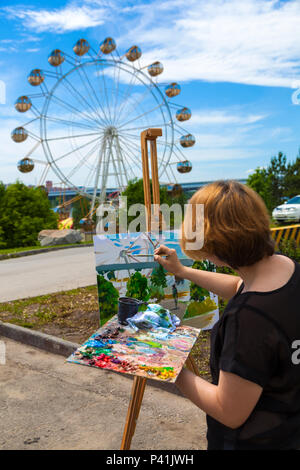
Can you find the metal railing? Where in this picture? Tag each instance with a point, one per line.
(287, 232)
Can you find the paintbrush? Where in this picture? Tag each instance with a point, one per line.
(148, 256)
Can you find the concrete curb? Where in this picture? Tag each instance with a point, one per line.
(42, 250)
(37, 339)
(55, 345)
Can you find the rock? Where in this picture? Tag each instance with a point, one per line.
(59, 237)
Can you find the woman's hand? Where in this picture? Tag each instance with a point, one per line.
(171, 262)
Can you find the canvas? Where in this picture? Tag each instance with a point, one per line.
(125, 267)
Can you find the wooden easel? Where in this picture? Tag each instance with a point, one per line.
(139, 383)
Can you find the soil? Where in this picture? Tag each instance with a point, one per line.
(74, 316)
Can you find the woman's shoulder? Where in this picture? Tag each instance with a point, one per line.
(284, 274)
(275, 312)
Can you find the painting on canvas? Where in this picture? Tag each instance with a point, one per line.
(125, 267)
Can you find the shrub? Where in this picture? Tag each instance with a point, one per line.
(24, 212)
(290, 248)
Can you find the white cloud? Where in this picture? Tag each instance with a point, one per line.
(70, 18)
(282, 133)
(7, 49)
(32, 50)
(214, 117)
(251, 170)
(222, 155)
(253, 42)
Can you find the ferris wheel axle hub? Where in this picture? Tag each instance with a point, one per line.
(111, 131)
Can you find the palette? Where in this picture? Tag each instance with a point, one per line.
(146, 353)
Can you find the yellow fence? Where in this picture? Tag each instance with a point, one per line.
(288, 232)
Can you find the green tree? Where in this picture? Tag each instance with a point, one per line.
(278, 181)
(181, 199)
(80, 209)
(292, 178)
(2, 241)
(277, 173)
(24, 212)
(158, 282)
(158, 277)
(269, 182)
(137, 287)
(260, 182)
(135, 194)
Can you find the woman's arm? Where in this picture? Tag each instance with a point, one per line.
(230, 402)
(223, 285)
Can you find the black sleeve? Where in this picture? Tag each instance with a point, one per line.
(249, 346)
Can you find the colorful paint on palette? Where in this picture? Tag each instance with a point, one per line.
(146, 353)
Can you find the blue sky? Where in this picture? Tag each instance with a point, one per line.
(237, 63)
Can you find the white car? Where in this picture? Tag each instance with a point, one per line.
(289, 211)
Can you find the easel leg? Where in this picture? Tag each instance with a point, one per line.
(192, 366)
(136, 399)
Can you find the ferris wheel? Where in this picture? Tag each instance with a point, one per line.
(88, 115)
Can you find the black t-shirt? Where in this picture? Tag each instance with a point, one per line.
(257, 338)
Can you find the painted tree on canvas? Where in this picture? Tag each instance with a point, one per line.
(198, 293)
(108, 297)
(158, 282)
(137, 287)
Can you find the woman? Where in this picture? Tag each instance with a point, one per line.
(253, 401)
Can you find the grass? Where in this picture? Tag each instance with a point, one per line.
(6, 251)
(21, 311)
(61, 314)
(201, 354)
(74, 315)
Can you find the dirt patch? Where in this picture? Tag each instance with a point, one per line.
(74, 316)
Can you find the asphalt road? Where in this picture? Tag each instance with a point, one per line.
(47, 403)
(45, 273)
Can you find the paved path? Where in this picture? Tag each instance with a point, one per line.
(46, 273)
(47, 403)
